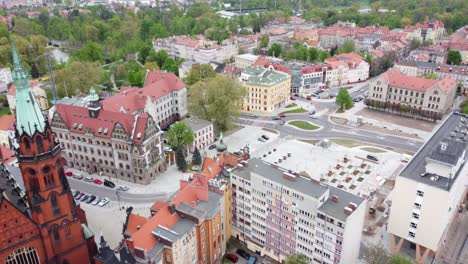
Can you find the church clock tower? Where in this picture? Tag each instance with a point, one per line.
(49, 197)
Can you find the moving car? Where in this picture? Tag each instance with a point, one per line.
(232, 257)
(276, 118)
(103, 202)
(97, 181)
(123, 188)
(281, 122)
(292, 98)
(243, 253)
(109, 183)
(88, 179)
(265, 137)
(313, 116)
(282, 115)
(69, 173)
(370, 157)
(78, 176)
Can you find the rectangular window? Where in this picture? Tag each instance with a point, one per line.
(418, 206)
(411, 234)
(415, 216)
(420, 193)
(413, 225)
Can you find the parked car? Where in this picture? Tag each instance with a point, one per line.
(109, 183)
(281, 122)
(91, 199)
(96, 201)
(123, 188)
(309, 97)
(370, 157)
(88, 179)
(276, 118)
(265, 137)
(252, 260)
(69, 173)
(212, 147)
(356, 100)
(78, 196)
(232, 257)
(78, 176)
(103, 202)
(296, 94)
(292, 98)
(75, 193)
(313, 116)
(243, 253)
(97, 181)
(84, 197)
(261, 139)
(282, 115)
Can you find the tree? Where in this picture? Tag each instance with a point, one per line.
(77, 77)
(199, 72)
(415, 43)
(264, 41)
(196, 158)
(296, 259)
(91, 51)
(376, 255)
(398, 259)
(34, 71)
(151, 66)
(179, 135)
(217, 99)
(180, 160)
(275, 50)
(4, 31)
(344, 100)
(431, 76)
(348, 47)
(454, 57)
(161, 57)
(170, 65)
(136, 77)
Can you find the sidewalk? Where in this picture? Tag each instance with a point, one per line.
(351, 115)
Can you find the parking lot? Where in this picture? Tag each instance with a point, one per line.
(234, 245)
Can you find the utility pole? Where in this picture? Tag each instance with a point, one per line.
(51, 76)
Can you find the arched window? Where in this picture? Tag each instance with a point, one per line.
(23, 256)
(66, 228)
(436, 92)
(27, 143)
(40, 146)
(55, 232)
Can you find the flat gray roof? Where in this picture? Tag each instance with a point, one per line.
(336, 209)
(196, 123)
(165, 233)
(183, 226)
(190, 210)
(211, 206)
(266, 170)
(441, 147)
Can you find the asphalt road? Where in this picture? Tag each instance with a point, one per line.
(111, 193)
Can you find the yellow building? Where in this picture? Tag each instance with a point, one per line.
(267, 89)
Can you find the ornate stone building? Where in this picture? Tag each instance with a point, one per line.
(39, 221)
(120, 145)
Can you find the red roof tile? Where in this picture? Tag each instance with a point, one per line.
(135, 222)
(7, 154)
(7, 122)
(397, 79)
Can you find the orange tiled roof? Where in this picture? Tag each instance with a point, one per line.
(7, 122)
(397, 79)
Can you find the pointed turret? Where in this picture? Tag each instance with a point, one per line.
(29, 117)
(93, 103)
(221, 147)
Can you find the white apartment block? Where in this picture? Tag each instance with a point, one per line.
(430, 189)
(199, 50)
(203, 132)
(278, 213)
(346, 68)
(245, 60)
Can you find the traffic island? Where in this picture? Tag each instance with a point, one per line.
(304, 125)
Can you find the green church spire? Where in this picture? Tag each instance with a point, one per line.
(29, 117)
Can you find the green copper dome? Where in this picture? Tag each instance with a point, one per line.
(93, 96)
(29, 117)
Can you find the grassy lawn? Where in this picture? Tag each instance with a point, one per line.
(346, 142)
(303, 125)
(294, 111)
(374, 150)
(5, 111)
(340, 111)
(291, 105)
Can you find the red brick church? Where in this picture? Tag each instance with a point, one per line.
(40, 223)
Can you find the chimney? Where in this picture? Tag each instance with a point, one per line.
(335, 198)
(240, 166)
(245, 163)
(138, 227)
(172, 208)
(348, 211)
(352, 206)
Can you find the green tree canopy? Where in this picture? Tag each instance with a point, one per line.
(264, 41)
(180, 159)
(196, 158)
(343, 99)
(199, 72)
(348, 47)
(92, 52)
(170, 65)
(217, 99)
(179, 135)
(296, 259)
(275, 50)
(77, 77)
(454, 57)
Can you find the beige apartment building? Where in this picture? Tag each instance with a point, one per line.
(419, 96)
(267, 89)
(114, 144)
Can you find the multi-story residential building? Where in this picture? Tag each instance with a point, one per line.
(7, 130)
(345, 69)
(200, 50)
(95, 140)
(39, 94)
(305, 77)
(203, 132)
(267, 89)
(393, 89)
(435, 53)
(163, 97)
(420, 68)
(5, 75)
(245, 60)
(277, 213)
(430, 189)
(459, 41)
(428, 30)
(192, 226)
